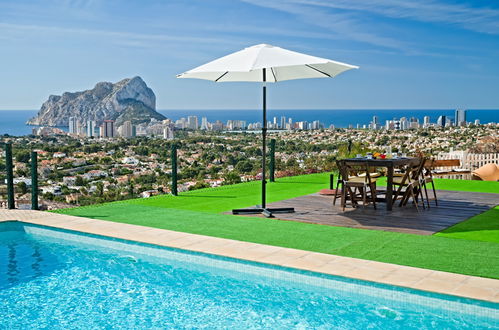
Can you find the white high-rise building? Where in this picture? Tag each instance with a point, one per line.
(283, 122)
(73, 125)
(127, 129)
(91, 125)
(192, 122)
(426, 121)
(204, 123)
(168, 133)
(302, 125)
(316, 125)
(404, 123)
(460, 117)
(80, 129)
(375, 123)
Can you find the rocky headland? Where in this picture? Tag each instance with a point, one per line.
(128, 99)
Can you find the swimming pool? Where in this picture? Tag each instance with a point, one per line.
(51, 278)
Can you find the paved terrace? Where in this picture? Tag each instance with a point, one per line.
(412, 277)
(453, 207)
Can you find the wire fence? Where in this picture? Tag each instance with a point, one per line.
(285, 159)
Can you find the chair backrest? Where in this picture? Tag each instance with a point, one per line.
(357, 170)
(342, 169)
(419, 169)
(428, 167)
(413, 172)
(339, 165)
(446, 163)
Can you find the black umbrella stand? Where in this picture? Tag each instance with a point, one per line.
(263, 209)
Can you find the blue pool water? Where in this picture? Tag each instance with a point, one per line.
(60, 279)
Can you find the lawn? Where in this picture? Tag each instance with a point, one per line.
(199, 212)
(483, 227)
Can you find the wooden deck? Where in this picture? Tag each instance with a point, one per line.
(453, 207)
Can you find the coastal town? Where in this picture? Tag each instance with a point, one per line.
(78, 170)
(166, 128)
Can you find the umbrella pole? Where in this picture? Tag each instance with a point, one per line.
(263, 208)
(264, 140)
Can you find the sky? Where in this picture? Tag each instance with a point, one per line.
(425, 54)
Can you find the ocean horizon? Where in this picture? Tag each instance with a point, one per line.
(13, 122)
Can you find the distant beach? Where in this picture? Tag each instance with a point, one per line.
(12, 122)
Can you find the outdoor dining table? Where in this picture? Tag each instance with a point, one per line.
(390, 165)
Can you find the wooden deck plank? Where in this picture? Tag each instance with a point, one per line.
(453, 207)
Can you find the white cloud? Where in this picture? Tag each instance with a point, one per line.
(341, 25)
(358, 20)
(28, 30)
(479, 19)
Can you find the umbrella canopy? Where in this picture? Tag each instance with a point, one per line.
(266, 63)
(280, 64)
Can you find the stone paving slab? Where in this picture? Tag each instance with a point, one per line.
(405, 276)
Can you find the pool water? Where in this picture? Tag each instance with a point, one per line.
(61, 279)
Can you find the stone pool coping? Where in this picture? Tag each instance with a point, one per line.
(411, 277)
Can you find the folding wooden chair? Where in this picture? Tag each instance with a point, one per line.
(427, 178)
(339, 182)
(357, 188)
(409, 185)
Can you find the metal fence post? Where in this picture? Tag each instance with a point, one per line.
(331, 181)
(10, 176)
(272, 161)
(34, 180)
(174, 170)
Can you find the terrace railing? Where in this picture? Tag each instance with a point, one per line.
(471, 161)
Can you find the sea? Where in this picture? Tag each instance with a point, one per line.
(13, 122)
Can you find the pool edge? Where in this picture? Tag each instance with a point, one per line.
(464, 286)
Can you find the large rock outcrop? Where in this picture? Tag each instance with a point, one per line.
(128, 99)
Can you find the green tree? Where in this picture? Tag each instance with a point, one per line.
(244, 166)
(232, 178)
(292, 163)
(79, 181)
(199, 185)
(100, 189)
(106, 160)
(22, 188)
(23, 156)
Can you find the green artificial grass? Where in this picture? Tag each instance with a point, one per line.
(199, 212)
(483, 227)
(225, 198)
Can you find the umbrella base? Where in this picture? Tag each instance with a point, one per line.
(268, 212)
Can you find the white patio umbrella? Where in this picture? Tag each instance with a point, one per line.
(265, 63)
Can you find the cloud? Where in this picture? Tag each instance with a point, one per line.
(359, 20)
(130, 38)
(342, 25)
(479, 19)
